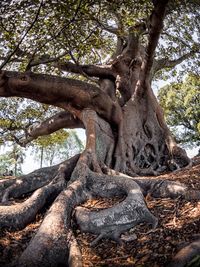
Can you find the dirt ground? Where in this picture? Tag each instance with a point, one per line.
(179, 224)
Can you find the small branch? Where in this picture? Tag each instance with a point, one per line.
(166, 63)
(23, 37)
(106, 27)
(44, 60)
(55, 36)
(176, 38)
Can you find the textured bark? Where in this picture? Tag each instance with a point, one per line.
(114, 221)
(51, 245)
(54, 244)
(126, 137)
(28, 183)
(19, 215)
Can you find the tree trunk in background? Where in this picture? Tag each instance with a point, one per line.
(41, 156)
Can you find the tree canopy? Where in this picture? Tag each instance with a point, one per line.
(49, 35)
(181, 104)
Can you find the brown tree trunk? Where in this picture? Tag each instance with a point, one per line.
(54, 244)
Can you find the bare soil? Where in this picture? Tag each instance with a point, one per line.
(179, 224)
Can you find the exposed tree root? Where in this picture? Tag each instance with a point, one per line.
(112, 222)
(130, 137)
(77, 180)
(55, 245)
(54, 241)
(28, 183)
(186, 255)
(19, 215)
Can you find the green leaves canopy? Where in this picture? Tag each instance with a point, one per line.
(181, 104)
(85, 31)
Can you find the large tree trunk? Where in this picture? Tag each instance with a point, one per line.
(54, 244)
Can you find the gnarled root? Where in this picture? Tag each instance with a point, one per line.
(73, 182)
(19, 215)
(55, 245)
(27, 183)
(112, 222)
(36, 179)
(54, 241)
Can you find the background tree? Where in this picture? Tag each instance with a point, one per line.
(181, 105)
(56, 147)
(18, 116)
(11, 161)
(113, 51)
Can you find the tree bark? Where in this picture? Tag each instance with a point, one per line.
(126, 137)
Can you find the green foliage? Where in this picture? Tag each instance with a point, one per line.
(76, 30)
(56, 147)
(12, 160)
(58, 138)
(5, 162)
(181, 104)
(16, 115)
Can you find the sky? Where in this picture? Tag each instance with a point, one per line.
(30, 164)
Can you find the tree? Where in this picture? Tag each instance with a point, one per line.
(181, 105)
(11, 161)
(5, 162)
(60, 145)
(110, 97)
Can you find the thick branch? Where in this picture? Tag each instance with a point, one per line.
(156, 26)
(90, 70)
(59, 121)
(133, 44)
(61, 92)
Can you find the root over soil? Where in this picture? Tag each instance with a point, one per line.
(179, 225)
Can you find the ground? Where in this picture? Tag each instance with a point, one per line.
(179, 224)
